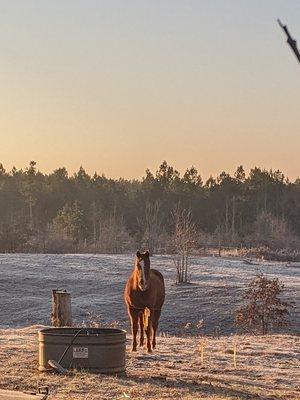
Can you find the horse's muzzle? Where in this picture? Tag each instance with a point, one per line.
(143, 287)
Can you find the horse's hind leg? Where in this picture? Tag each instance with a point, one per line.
(141, 317)
(134, 318)
(156, 315)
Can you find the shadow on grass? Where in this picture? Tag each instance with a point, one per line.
(194, 387)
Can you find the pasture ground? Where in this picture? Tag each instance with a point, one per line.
(267, 368)
(96, 283)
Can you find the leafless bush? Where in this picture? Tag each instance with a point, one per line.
(272, 232)
(184, 241)
(113, 236)
(153, 225)
(263, 308)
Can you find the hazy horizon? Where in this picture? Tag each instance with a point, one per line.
(181, 171)
(119, 88)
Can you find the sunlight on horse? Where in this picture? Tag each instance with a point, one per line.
(144, 296)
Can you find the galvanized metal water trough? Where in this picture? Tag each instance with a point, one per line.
(96, 349)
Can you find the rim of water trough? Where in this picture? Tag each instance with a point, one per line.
(70, 331)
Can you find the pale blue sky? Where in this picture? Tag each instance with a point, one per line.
(119, 86)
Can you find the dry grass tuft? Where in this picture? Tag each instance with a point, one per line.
(267, 368)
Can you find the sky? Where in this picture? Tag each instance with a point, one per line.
(118, 86)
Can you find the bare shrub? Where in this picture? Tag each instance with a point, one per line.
(153, 226)
(263, 309)
(184, 241)
(113, 236)
(272, 232)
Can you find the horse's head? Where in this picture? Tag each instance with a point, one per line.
(142, 266)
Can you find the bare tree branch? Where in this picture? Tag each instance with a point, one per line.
(292, 42)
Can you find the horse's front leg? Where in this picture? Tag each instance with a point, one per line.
(148, 334)
(141, 318)
(134, 318)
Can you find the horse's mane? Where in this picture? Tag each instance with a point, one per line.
(134, 277)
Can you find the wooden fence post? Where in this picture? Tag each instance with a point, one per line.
(61, 308)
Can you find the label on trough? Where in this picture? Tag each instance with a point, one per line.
(80, 352)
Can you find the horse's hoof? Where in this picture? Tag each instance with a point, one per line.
(149, 351)
(133, 349)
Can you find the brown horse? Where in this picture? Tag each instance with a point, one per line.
(144, 296)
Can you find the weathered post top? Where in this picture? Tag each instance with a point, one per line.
(61, 308)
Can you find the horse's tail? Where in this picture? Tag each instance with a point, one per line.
(146, 316)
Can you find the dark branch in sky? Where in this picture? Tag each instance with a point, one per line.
(292, 42)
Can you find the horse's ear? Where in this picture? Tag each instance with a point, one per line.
(138, 254)
(147, 254)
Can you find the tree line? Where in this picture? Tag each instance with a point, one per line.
(81, 213)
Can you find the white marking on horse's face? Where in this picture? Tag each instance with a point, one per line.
(142, 263)
(143, 286)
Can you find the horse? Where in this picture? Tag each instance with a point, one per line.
(144, 297)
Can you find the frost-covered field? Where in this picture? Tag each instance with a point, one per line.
(96, 283)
